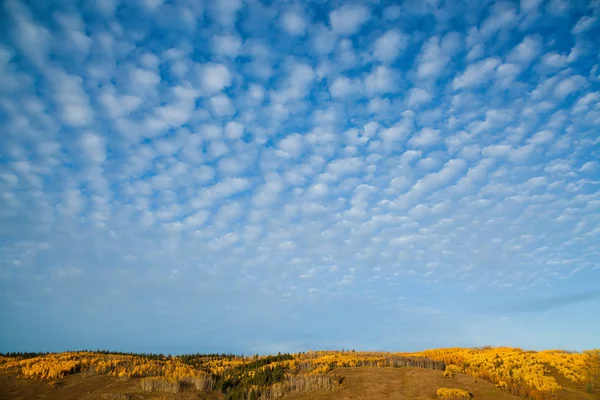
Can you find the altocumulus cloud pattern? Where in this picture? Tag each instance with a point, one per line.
(258, 176)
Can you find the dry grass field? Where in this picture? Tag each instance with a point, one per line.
(78, 387)
(459, 374)
(403, 384)
(359, 384)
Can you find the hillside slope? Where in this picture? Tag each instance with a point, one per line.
(483, 373)
(359, 384)
(403, 384)
(78, 387)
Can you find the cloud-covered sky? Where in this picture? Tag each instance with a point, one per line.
(187, 176)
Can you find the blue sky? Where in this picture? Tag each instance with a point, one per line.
(241, 176)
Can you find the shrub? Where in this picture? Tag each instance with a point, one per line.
(451, 370)
(502, 385)
(448, 393)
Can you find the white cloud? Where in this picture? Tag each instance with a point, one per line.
(343, 87)
(69, 93)
(507, 74)
(93, 147)
(431, 182)
(292, 145)
(297, 84)
(226, 45)
(149, 60)
(31, 38)
(196, 135)
(381, 80)
(530, 5)
(390, 45)
(554, 60)
(174, 115)
(318, 190)
(568, 86)
(418, 97)
(151, 5)
(323, 40)
(526, 51)
(558, 7)
(143, 80)
(589, 166)
(502, 16)
(77, 115)
(431, 60)
(225, 11)
(584, 24)
(234, 130)
(476, 74)
(348, 19)
(426, 138)
(344, 166)
(223, 189)
(586, 101)
(476, 52)
(214, 77)
(217, 149)
(541, 137)
(230, 166)
(293, 23)
(221, 105)
(400, 130)
(118, 106)
(107, 8)
(73, 203)
(436, 54)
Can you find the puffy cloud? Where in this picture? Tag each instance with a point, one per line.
(348, 19)
(585, 23)
(292, 145)
(589, 166)
(72, 98)
(214, 77)
(343, 87)
(282, 151)
(436, 54)
(221, 105)
(476, 74)
(568, 86)
(226, 46)
(390, 45)
(530, 5)
(431, 60)
(381, 80)
(502, 16)
(526, 51)
(425, 138)
(32, 39)
(226, 11)
(94, 147)
(143, 79)
(293, 23)
(297, 84)
(344, 166)
(417, 97)
(234, 130)
(400, 130)
(554, 60)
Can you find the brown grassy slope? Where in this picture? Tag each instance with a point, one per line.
(570, 390)
(77, 387)
(360, 383)
(405, 384)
